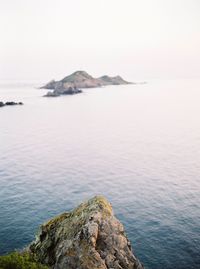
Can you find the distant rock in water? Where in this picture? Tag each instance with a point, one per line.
(89, 237)
(10, 103)
(79, 80)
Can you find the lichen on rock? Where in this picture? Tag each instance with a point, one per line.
(89, 237)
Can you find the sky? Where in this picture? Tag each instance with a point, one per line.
(137, 39)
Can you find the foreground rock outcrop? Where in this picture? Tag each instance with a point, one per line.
(79, 80)
(11, 103)
(89, 237)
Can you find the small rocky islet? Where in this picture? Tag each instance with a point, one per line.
(10, 103)
(89, 237)
(74, 83)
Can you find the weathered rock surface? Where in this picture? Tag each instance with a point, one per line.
(89, 237)
(11, 103)
(79, 80)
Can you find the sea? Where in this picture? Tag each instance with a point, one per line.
(138, 145)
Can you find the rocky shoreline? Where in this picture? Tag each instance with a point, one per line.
(89, 237)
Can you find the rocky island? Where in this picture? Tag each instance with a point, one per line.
(89, 237)
(73, 83)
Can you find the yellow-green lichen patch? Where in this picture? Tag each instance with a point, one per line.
(18, 260)
(103, 204)
(98, 203)
(53, 222)
(81, 213)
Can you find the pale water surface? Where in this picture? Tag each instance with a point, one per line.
(137, 145)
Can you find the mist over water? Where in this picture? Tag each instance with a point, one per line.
(138, 145)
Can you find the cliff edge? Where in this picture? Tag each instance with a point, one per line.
(89, 237)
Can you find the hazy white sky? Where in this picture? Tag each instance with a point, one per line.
(138, 39)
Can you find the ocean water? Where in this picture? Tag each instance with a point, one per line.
(138, 145)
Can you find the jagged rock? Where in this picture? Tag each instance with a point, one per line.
(89, 237)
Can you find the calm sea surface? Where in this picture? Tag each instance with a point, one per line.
(139, 145)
